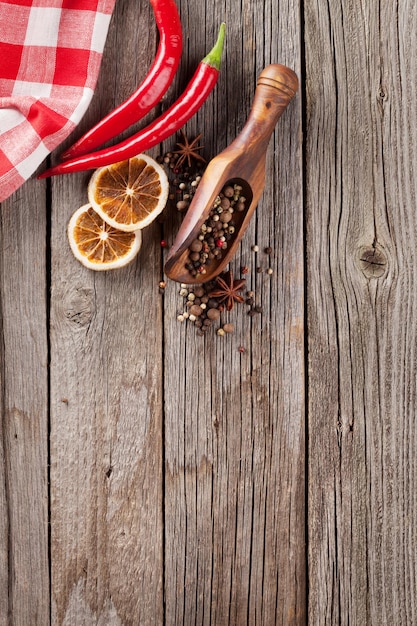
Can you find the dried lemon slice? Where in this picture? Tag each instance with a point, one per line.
(99, 246)
(130, 194)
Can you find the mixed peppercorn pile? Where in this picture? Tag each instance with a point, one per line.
(217, 230)
(205, 305)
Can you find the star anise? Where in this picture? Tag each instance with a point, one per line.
(228, 289)
(188, 150)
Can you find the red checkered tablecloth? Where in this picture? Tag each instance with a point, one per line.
(50, 54)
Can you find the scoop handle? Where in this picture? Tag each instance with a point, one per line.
(276, 87)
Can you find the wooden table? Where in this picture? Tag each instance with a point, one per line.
(153, 476)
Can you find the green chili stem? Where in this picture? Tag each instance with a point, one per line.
(214, 57)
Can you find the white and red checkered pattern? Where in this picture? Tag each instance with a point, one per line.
(50, 54)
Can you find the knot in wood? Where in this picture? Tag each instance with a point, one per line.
(80, 306)
(382, 93)
(373, 261)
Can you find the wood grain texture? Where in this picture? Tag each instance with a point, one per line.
(361, 191)
(177, 463)
(106, 396)
(234, 423)
(24, 576)
(176, 479)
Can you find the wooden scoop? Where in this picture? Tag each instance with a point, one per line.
(243, 163)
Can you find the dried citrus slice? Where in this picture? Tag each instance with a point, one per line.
(99, 246)
(129, 194)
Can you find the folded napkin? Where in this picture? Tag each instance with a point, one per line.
(50, 55)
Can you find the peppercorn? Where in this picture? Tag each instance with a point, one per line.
(213, 314)
(228, 328)
(182, 205)
(196, 245)
(196, 310)
(199, 291)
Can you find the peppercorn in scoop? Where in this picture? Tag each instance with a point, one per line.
(217, 231)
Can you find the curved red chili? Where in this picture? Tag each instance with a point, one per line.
(150, 91)
(196, 92)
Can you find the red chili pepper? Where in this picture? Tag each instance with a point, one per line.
(196, 92)
(151, 90)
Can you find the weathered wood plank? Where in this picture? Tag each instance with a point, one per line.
(106, 395)
(24, 577)
(232, 438)
(361, 191)
(234, 423)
